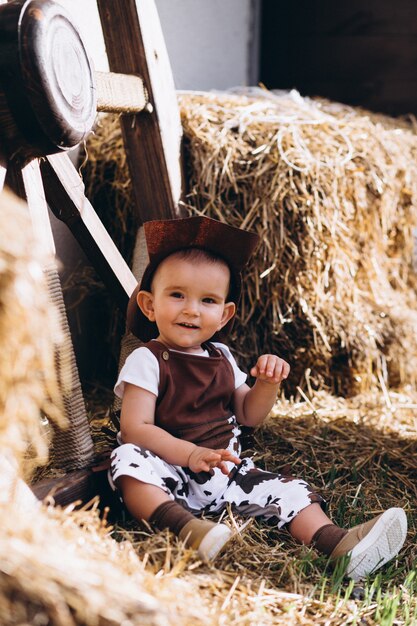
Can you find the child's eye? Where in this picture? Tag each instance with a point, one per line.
(176, 294)
(209, 300)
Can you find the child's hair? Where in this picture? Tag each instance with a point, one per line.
(197, 255)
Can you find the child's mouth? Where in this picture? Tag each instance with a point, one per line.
(185, 325)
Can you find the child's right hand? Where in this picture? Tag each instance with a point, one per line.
(205, 459)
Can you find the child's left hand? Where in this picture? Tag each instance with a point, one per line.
(270, 369)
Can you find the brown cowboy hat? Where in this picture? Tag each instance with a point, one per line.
(164, 237)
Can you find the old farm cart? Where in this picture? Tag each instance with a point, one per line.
(49, 98)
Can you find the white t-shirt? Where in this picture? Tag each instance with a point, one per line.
(141, 368)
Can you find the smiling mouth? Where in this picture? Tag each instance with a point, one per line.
(185, 325)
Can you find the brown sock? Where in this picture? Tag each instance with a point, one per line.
(326, 538)
(170, 515)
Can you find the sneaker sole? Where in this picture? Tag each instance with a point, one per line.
(214, 541)
(380, 545)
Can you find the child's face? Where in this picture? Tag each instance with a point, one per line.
(188, 302)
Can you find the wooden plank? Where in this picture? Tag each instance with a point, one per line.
(65, 195)
(2, 174)
(38, 207)
(393, 98)
(335, 68)
(361, 52)
(135, 45)
(340, 59)
(79, 486)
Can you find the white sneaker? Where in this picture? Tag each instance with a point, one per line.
(208, 538)
(372, 544)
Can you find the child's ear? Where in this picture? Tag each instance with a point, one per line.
(145, 303)
(228, 312)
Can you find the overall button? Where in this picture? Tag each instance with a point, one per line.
(165, 355)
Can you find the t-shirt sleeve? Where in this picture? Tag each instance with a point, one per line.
(240, 377)
(141, 368)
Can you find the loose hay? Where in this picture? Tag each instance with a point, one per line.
(332, 191)
(28, 378)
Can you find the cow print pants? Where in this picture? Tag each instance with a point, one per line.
(250, 491)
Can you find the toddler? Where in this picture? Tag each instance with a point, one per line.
(184, 399)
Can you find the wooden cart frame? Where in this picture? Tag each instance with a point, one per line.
(151, 132)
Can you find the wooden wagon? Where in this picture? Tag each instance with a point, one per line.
(49, 99)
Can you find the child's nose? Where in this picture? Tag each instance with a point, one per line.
(191, 307)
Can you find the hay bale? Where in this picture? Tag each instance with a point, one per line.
(30, 336)
(331, 189)
(332, 192)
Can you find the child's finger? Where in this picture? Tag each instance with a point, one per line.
(212, 457)
(277, 370)
(234, 459)
(223, 468)
(226, 455)
(262, 363)
(225, 452)
(285, 370)
(273, 366)
(270, 368)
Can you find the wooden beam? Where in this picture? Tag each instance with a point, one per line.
(65, 195)
(38, 207)
(74, 445)
(2, 176)
(3, 166)
(135, 45)
(80, 486)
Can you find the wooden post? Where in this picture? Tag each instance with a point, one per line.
(38, 208)
(65, 195)
(152, 140)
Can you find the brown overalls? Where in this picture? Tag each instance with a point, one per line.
(195, 403)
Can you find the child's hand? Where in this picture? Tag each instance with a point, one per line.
(204, 459)
(270, 369)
